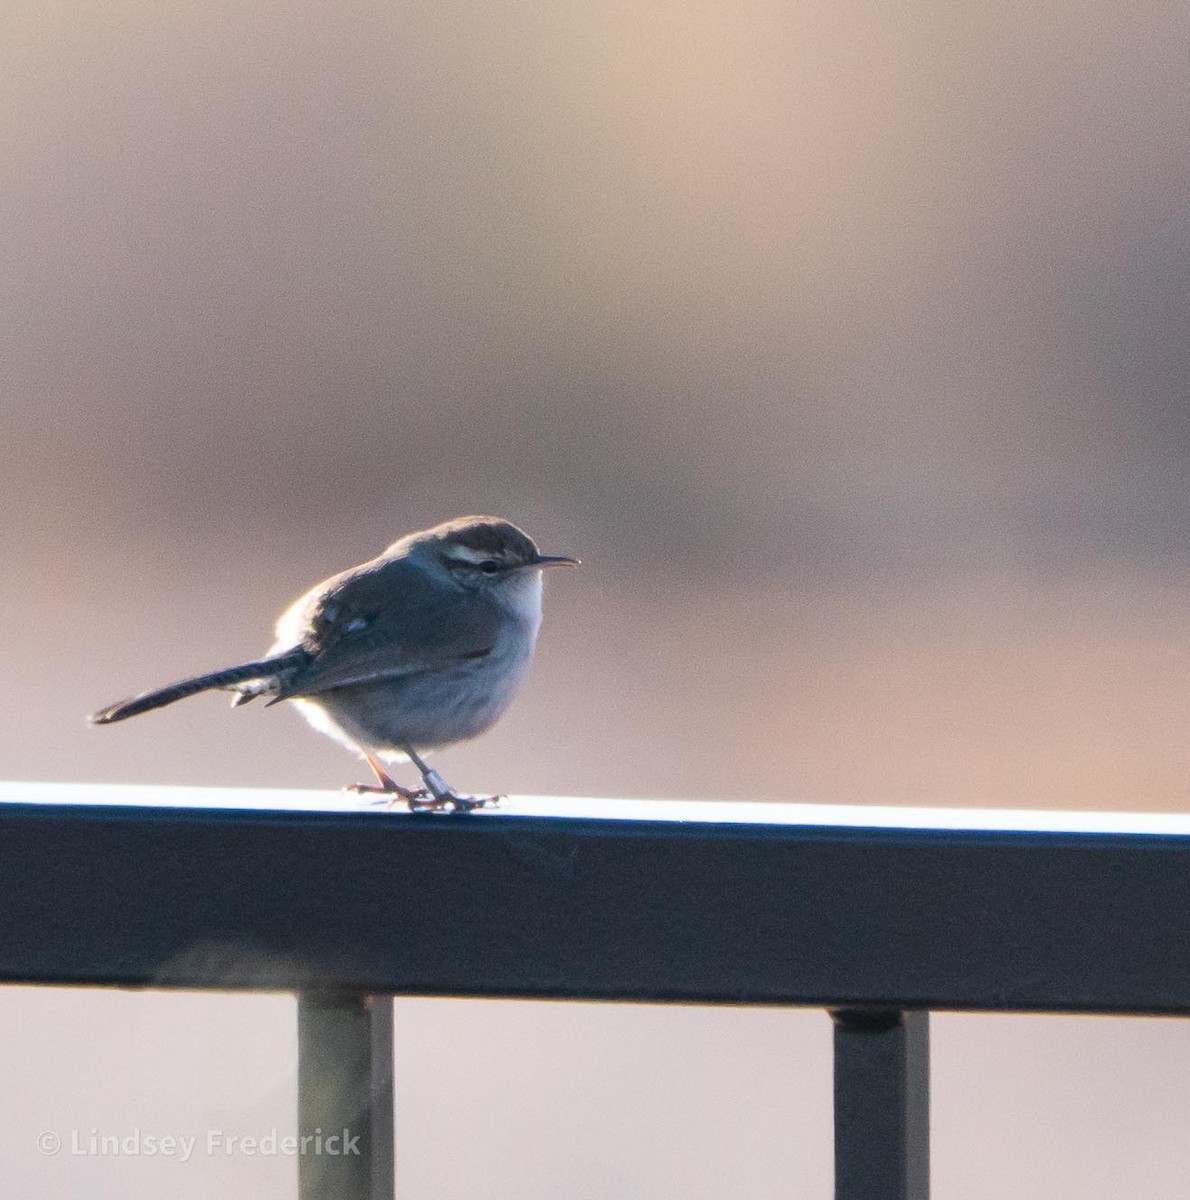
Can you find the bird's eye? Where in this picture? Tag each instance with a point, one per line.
(489, 566)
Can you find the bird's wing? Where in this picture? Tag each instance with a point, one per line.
(383, 621)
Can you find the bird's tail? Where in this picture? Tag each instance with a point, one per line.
(147, 701)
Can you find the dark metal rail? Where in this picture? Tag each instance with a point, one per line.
(754, 904)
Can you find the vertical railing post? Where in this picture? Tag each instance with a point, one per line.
(882, 1105)
(345, 1096)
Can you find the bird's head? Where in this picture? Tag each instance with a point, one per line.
(486, 554)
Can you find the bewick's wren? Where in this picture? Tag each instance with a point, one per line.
(418, 648)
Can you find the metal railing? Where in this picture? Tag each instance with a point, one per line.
(877, 915)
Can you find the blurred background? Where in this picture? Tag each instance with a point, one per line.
(845, 343)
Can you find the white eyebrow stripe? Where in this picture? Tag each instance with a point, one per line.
(466, 554)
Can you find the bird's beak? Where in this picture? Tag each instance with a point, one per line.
(554, 560)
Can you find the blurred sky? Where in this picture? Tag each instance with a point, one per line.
(845, 343)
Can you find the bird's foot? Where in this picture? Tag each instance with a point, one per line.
(387, 790)
(443, 798)
(389, 795)
(450, 802)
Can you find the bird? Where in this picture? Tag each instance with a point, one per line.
(418, 648)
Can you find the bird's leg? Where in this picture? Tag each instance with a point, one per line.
(441, 797)
(386, 786)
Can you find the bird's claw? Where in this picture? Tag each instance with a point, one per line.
(450, 802)
(387, 796)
